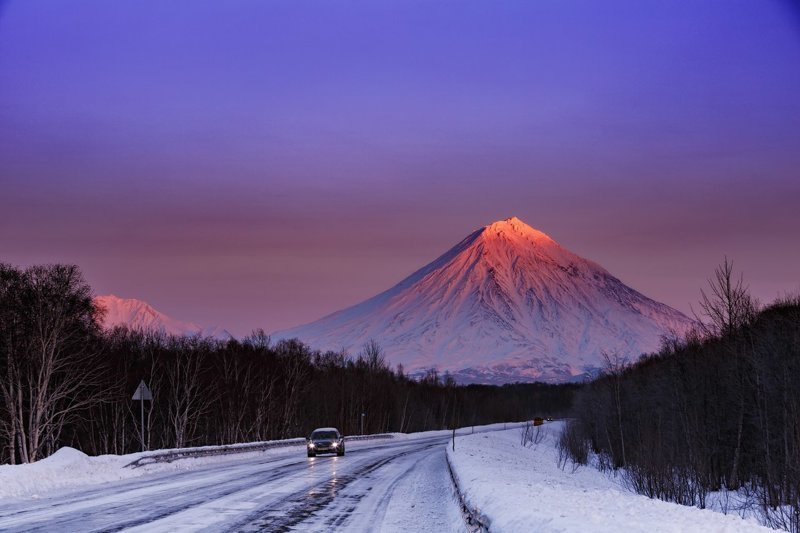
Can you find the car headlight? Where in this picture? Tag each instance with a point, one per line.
(310, 444)
(335, 444)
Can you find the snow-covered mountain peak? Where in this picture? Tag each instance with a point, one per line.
(512, 239)
(507, 303)
(137, 314)
(516, 228)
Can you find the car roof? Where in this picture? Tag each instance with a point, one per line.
(325, 429)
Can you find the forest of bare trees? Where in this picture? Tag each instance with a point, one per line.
(64, 382)
(718, 411)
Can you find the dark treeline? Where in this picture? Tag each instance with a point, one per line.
(64, 382)
(717, 411)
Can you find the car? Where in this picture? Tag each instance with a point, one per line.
(325, 440)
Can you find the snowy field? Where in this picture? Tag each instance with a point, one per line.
(518, 488)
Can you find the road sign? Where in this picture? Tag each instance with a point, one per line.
(142, 392)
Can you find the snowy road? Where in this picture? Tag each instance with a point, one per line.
(389, 486)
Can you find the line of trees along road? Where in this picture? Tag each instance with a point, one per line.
(64, 382)
(717, 411)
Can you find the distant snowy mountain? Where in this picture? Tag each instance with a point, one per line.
(506, 304)
(137, 314)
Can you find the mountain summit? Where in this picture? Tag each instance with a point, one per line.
(136, 314)
(507, 303)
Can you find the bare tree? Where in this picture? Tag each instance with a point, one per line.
(613, 367)
(258, 340)
(50, 377)
(727, 308)
(373, 356)
(728, 305)
(295, 357)
(262, 420)
(186, 400)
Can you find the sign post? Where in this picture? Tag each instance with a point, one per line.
(142, 393)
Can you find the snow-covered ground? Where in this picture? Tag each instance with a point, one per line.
(69, 468)
(398, 484)
(519, 488)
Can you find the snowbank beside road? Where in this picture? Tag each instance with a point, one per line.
(69, 469)
(522, 489)
(66, 468)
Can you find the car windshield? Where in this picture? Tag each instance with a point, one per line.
(324, 435)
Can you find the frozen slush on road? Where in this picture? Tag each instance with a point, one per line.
(521, 488)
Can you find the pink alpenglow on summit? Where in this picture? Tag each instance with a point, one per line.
(506, 304)
(138, 315)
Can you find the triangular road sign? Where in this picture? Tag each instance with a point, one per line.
(142, 392)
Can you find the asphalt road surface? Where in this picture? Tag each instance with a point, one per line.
(387, 485)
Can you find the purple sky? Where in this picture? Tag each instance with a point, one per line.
(260, 164)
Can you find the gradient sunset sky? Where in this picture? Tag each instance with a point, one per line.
(263, 163)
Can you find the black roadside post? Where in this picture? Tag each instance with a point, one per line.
(454, 438)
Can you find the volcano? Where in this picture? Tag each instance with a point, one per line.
(139, 315)
(506, 304)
